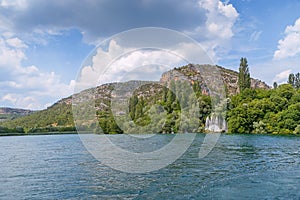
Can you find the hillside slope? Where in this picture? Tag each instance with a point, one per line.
(194, 73)
(59, 116)
(13, 113)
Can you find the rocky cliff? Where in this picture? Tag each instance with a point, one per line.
(208, 74)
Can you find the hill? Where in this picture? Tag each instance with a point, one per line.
(13, 113)
(141, 97)
(204, 73)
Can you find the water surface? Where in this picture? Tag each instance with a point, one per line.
(239, 167)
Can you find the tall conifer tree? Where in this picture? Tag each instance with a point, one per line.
(244, 75)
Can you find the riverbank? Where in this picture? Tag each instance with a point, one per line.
(75, 132)
(40, 133)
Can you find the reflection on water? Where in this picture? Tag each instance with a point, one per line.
(239, 167)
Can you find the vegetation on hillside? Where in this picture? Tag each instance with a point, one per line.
(5, 117)
(56, 118)
(153, 108)
(12, 113)
(166, 110)
(294, 80)
(275, 111)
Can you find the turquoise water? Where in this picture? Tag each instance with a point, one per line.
(239, 167)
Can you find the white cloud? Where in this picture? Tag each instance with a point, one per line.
(21, 101)
(128, 62)
(217, 31)
(16, 43)
(220, 18)
(7, 35)
(35, 92)
(119, 64)
(9, 97)
(272, 71)
(13, 3)
(100, 18)
(26, 86)
(11, 84)
(211, 20)
(289, 46)
(11, 56)
(282, 76)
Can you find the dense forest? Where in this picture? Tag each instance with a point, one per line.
(275, 111)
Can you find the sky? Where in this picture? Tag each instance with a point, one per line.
(43, 44)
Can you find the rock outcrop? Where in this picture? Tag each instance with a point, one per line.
(208, 75)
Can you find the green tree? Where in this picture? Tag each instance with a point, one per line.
(297, 80)
(295, 98)
(291, 80)
(259, 127)
(280, 103)
(114, 128)
(290, 118)
(164, 93)
(132, 106)
(244, 75)
(297, 130)
(286, 91)
(275, 85)
(171, 97)
(139, 111)
(19, 129)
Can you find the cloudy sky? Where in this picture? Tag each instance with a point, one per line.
(43, 43)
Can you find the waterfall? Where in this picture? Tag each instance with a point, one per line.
(215, 123)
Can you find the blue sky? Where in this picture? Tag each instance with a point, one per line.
(43, 43)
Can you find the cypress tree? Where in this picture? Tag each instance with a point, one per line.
(297, 80)
(244, 75)
(291, 80)
(275, 85)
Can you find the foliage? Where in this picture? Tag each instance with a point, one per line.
(291, 79)
(56, 118)
(275, 85)
(297, 130)
(244, 80)
(173, 108)
(274, 111)
(294, 80)
(4, 117)
(166, 111)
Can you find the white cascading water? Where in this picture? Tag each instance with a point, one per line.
(215, 123)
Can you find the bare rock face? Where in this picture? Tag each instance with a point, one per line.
(204, 74)
(255, 83)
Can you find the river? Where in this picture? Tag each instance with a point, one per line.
(238, 167)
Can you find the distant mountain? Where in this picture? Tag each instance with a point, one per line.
(59, 116)
(13, 113)
(6, 110)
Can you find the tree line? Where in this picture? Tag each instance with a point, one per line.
(275, 111)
